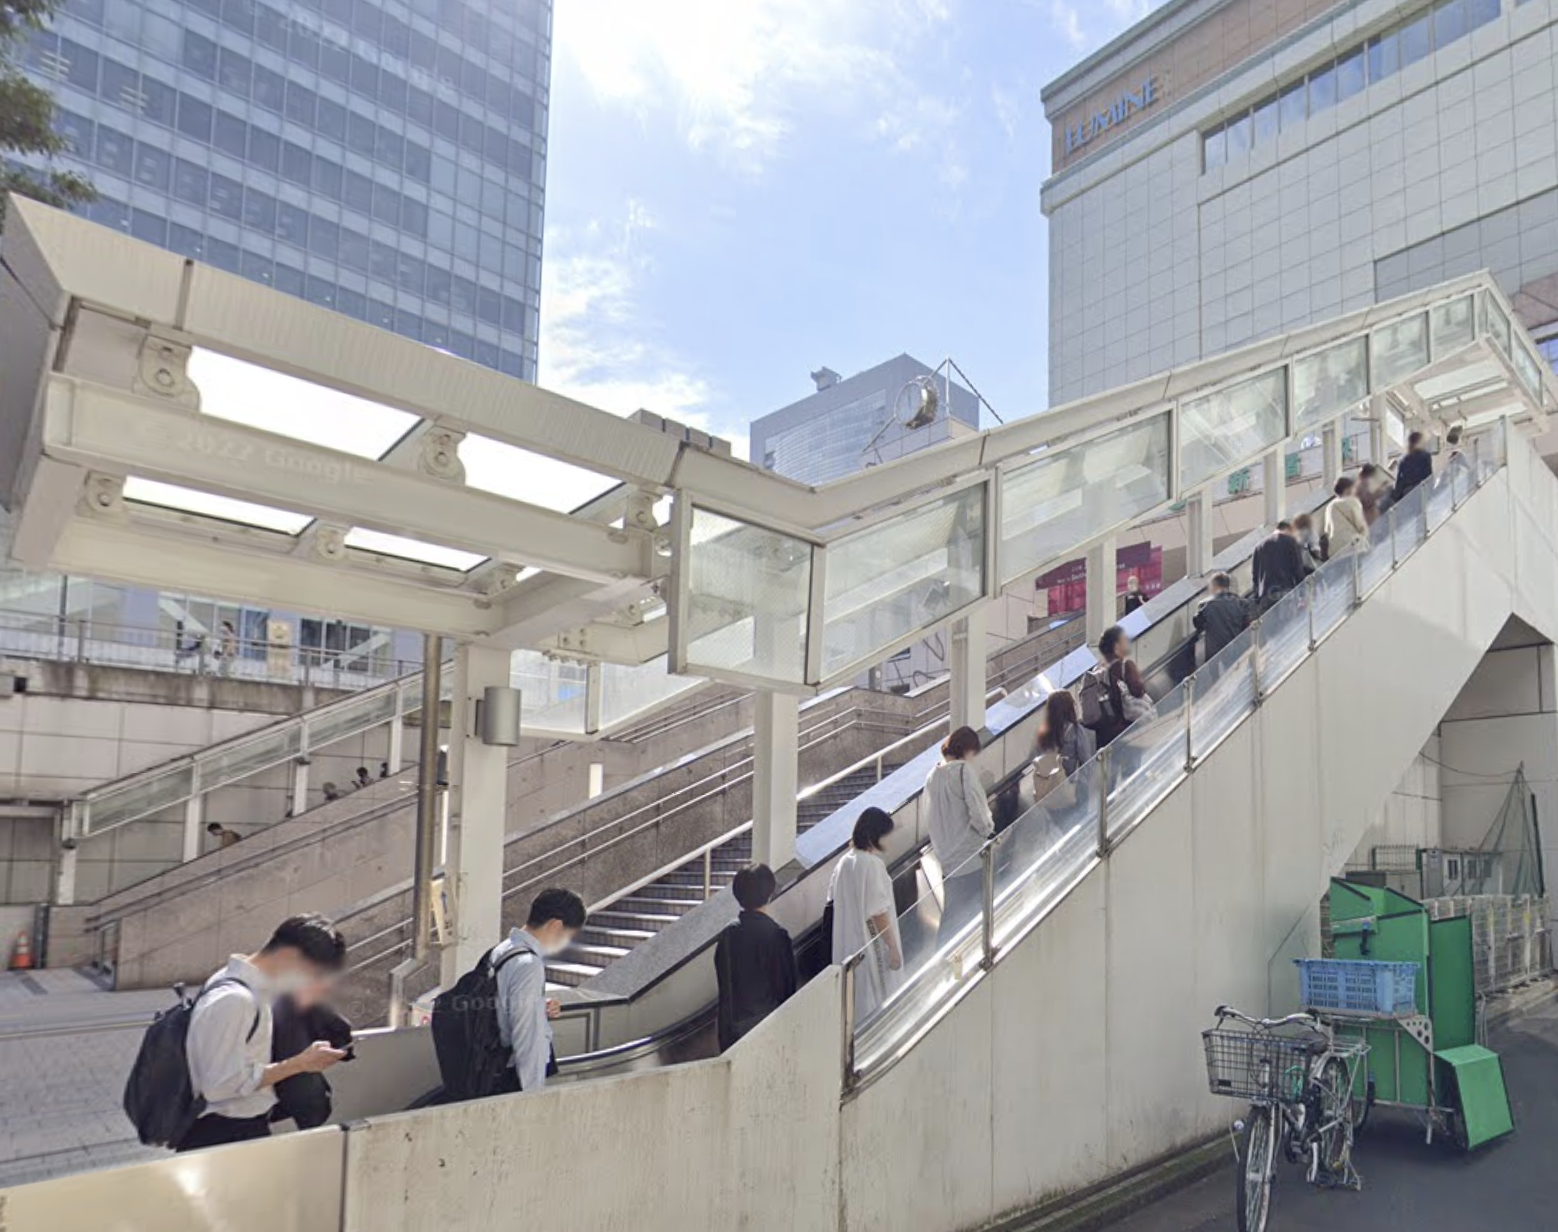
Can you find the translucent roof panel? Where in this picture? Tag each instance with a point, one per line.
(208, 504)
(275, 402)
(412, 549)
(508, 470)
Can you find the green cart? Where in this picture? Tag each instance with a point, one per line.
(1425, 1054)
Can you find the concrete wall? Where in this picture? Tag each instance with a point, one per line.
(1080, 1056)
(1444, 168)
(749, 1140)
(1412, 818)
(1505, 718)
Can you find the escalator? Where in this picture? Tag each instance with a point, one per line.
(668, 1016)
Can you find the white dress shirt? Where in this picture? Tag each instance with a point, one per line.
(226, 1061)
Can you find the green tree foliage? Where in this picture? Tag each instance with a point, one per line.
(27, 114)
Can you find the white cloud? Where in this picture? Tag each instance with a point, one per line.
(1068, 21)
(596, 344)
(739, 73)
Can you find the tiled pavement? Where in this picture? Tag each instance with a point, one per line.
(65, 1048)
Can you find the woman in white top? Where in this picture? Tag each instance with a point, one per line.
(959, 824)
(1345, 524)
(863, 911)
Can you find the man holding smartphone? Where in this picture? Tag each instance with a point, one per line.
(230, 1031)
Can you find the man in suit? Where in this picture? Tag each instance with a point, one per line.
(1416, 466)
(1278, 565)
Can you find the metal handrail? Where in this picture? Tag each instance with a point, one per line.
(1110, 793)
(79, 639)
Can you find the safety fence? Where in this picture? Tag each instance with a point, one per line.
(1510, 939)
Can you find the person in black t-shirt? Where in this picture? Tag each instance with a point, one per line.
(753, 958)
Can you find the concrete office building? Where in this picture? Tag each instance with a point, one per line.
(1229, 170)
(839, 429)
(384, 158)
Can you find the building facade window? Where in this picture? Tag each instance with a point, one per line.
(236, 76)
(1337, 80)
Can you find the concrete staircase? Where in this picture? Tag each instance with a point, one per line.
(635, 917)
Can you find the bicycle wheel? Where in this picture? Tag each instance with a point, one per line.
(1336, 1117)
(1258, 1158)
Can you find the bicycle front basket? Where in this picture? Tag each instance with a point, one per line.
(1256, 1065)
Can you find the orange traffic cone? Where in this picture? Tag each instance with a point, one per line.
(21, 955)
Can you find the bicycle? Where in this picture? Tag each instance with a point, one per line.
(1299, 1079)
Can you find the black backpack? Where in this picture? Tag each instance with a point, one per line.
(159, 1096)
(471, 1054)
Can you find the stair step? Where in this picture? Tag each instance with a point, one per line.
(615, 917)
(670, 889)
(657, 906)
(694, 878)
(569, 974)
(624, 937)
(599, 956)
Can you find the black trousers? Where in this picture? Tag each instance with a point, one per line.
(216, 1130)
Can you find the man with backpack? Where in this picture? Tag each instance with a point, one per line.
(204, 1075)
(493, 1031)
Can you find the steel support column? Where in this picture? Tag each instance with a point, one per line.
(775, 777)
(478, 776)
(1274, 487)
(1102, 601)
(967, 662)
(1331, 453)
(1198, 533)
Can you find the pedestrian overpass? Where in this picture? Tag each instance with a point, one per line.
(1047, 1047)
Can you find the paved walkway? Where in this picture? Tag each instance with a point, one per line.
(65, 1048)
(1508, 1186)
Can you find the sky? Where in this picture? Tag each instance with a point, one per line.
(741, 191)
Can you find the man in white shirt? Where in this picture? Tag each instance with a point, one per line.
(229, 1042)
(524, 1010)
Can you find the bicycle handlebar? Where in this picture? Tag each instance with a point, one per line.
(1227, 1011)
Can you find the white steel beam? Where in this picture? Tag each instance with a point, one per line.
(106, 430)
(144, 556)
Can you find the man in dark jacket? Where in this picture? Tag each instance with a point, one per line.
(299, 1020)
(1416, 466)
(1222, 617)
(1278, 565)
(753, 958)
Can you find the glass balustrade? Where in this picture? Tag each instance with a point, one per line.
(898, 982)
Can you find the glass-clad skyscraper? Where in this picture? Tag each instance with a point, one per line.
(385, 158)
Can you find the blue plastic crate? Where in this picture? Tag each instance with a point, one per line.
(1357, 987)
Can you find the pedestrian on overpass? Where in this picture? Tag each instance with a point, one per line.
(1345, 521)
(960, 824)
(1416, 465)
(525, 1012)
(229, 1043)
(865, 916)
(754, 959)
(1278, 566)
(1222, 617)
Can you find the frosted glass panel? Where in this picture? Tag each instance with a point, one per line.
(627, 692)
(1327, 383)
(902, 575)
(1065, 498)
(1453, 325)
(747, 593)
(1220, 432)
(1498, 325)
(1398, 350)
(552, 692)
